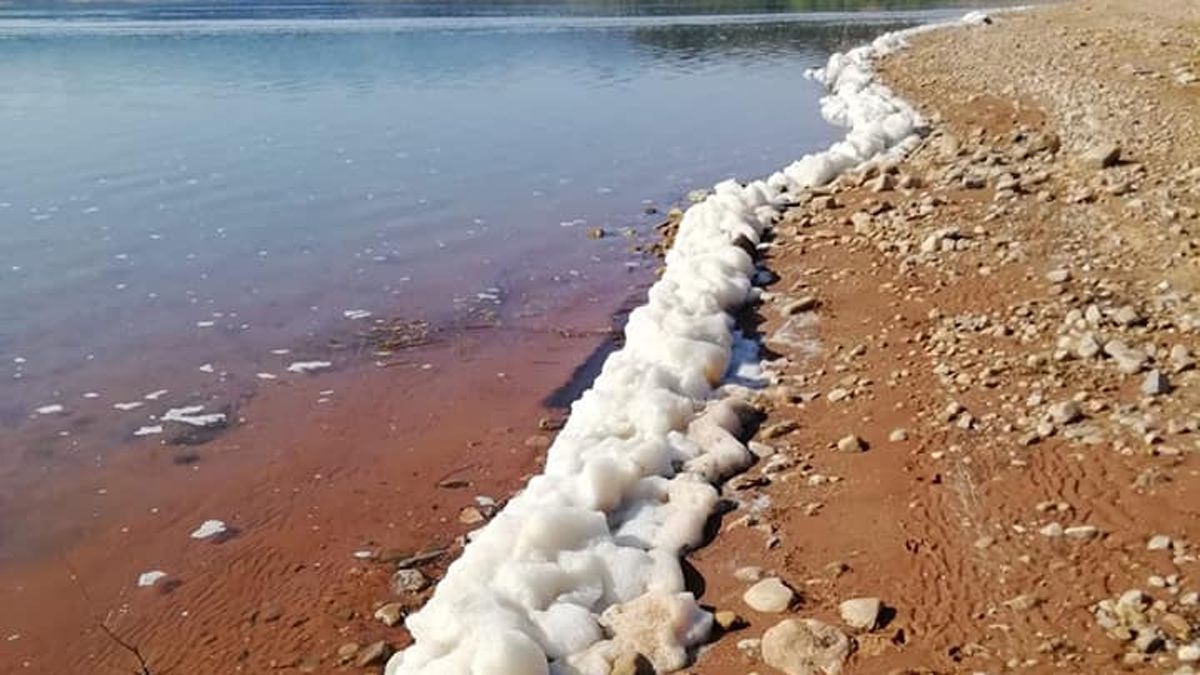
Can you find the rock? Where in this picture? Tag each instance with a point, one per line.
(770, 595)
(347, 651)
(1188, 653)
(409, 581)
(372, 654)
(1052, 530)
(1088, 347)
(882, 183)
(1102, 155)
(803, 304)
(1023, 602)
(596, 233)
(537, 442)
(1155, 383)
(805, 647)
(1082, 532)
(748, 574)
(861, 613)
(1181, 359)
(898, 435)
(1129, 360)
(851, 443)
(658, 626)
(1058, 276)
(728, 619)
(390, 614)
(1127, 316)
(1159, 542)
(1065, 412)
(470, 516)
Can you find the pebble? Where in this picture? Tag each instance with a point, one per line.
(898, 435)
(390, 614)
(861, 613)
(804, 304)
(1159, 542)
(1065, 412)
(748, 574)
(851, 443)
(770, 595)
(728, 619)
(1082, 532)
(409, 581)
(1052, 530)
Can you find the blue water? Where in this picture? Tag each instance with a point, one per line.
(266, 166)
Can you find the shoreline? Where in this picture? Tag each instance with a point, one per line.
(951, 478)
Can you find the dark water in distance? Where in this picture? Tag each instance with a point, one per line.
(186, 183)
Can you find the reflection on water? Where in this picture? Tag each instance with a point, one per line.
(185, 185)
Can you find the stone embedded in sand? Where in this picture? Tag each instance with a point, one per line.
(860, 613)
(748, 574)
(728, 619)
(1159, 542)
(898, 435)
(1065, 412)
(1127, 316)
(470, 516)
(804, 304)
(390, 614)
(1102, 155)
(409, 581)
(1058, 276)
(851, 443)
(770, 595)
(805, 647)
(1082, 532)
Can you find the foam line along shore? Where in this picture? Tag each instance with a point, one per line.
(581, 570)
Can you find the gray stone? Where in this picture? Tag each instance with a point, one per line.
(409, 581)
(1127, 316)
(1155, 383)
(861, 613)
(805, 647)
(1058, 276)
(1065, 412)
(770, 595)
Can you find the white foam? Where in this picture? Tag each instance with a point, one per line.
(148, 430)
(193, 415)
(308, 366)
(582, 566)
(51, 409)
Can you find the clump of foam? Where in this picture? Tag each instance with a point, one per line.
(581, 570)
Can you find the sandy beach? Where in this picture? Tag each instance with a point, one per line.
(973, 450)
(988, 422)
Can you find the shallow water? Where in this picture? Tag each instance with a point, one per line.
(187, 185)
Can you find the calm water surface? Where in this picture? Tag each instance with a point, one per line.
(186, 189)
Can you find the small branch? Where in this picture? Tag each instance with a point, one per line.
(143, 666)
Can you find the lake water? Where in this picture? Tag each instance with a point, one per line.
(188, 190)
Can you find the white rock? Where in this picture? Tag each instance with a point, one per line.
(769, 595)
(861, 613)
(1159, 542)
